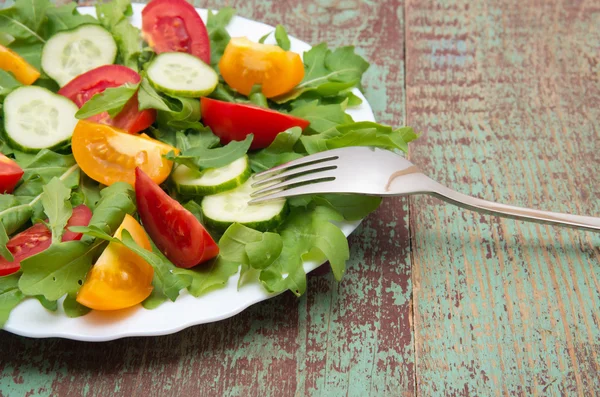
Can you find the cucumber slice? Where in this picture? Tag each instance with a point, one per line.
(70, 53)
(223, 209)
(212, 181)
(36, 118)
(182, 74)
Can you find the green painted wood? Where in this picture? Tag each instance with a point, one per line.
(352, 338)
(507, 94)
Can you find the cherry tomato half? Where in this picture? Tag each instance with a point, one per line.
(10, 174)
(109, 155)
(38, 237)
(235, 121)
(174, 230)
(85, 86)
(245, 64)
(12, 62)
(120, 278)
(175, 26)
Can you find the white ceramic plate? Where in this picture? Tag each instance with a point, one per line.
(32, 320)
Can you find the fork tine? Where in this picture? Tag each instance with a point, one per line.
(317, 158)
(301, 180)
(296, 172)
(316, 187)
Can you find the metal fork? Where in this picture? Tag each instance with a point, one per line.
(379, 172)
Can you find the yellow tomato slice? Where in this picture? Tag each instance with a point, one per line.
(12, 62)
(245, 63)
(109, 155)
(120, 278)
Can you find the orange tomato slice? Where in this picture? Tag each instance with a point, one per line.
(245, 63)
(120, 278)
(12, 62)
(109, 155)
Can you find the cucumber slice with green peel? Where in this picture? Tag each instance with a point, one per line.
(212, 181)
(36, 118)
(70, 53)
(178, 73)
(223, 209)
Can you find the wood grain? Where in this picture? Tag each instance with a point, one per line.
(507, 94)
(352, 338)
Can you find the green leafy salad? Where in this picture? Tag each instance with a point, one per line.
(128, 155)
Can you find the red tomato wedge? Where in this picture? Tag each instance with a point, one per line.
(10, 174)
(175, 26)
(38, 237)
(85, 86)
(174, 230)
(235, 121)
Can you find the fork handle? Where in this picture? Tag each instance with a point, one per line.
(509, 211)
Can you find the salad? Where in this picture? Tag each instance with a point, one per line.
(128, 154)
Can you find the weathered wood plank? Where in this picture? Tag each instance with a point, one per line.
(348, 339)
(507, 94)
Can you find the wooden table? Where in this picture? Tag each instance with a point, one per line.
(436, 300)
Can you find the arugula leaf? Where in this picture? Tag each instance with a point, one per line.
(282, 38)
(261, 254)
(88, 191)
(219, 38)
(322, 117)
(328, 72)
(17, 209)
(57, 207)
(48, 305)
(154, 300)
(199, 138)
(250, 247)
(111, 100)
(264, 38)
(180, 109)
(65, 17)
(170, 109)
(7, 83)
(24, 20)
(257, 98)
(149, 98)
(364, 133)
(195, 209)
(209, 276)
(10, 296)
(280, 151)
(73, 308)
(113, 16)
(42, 168)
(304, 232)
(32, 53)
(224, 93)
(232, 245)
(6, 254)
(5, 38)
(116, 201)
(58, 270)
(200, 158)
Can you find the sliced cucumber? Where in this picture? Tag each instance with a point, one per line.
(68, 54)
(35, 119)
(182, 74)
(223, 209)
(212, 181)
